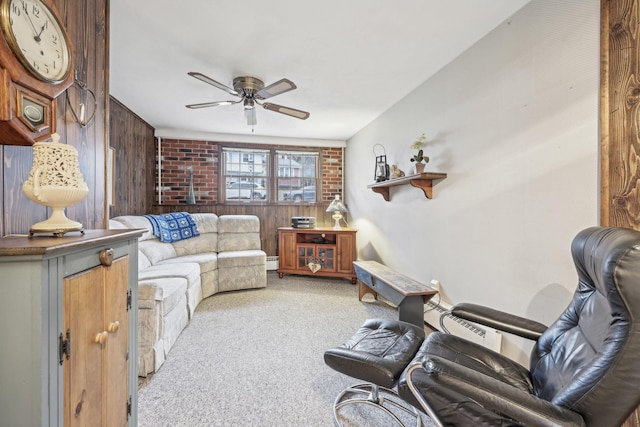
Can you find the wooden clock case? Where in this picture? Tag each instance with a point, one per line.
(28, 104)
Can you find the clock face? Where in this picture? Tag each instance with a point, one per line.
(36, 38)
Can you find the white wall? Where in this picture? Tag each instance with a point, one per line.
(513, 121)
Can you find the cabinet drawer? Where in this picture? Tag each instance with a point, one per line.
(90, 258)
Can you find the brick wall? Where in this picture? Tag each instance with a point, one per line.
(331, 173)
(177, 155)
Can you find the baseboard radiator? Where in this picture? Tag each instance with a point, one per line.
(482, 335)
(272, 263)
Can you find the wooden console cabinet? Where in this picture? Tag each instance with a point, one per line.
(332, 250)
(68, 322)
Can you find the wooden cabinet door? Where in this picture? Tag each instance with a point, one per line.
(116, 348)
(83, 314)
(96, 373)
(287, 250)
(346, 252)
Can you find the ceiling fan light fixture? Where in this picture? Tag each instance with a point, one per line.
(250, 112)
(249, 104)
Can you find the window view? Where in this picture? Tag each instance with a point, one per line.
(297, 176)
(250, 174)
(245, 174)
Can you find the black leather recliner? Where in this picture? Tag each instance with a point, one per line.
(584, 369)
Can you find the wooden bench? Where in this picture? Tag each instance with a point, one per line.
(408, 294)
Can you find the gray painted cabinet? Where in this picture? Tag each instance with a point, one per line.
(42, 346)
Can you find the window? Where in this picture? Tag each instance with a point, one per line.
(245, 174)
(297, 176)
(248, 175)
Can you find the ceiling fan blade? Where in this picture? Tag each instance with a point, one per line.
(281, 86)
(211, 104)
(298, 114)
(212, 82)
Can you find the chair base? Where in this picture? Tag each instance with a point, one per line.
(371, 396)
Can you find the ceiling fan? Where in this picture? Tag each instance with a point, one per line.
(252, 91)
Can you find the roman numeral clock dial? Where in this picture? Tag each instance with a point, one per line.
(36, 60)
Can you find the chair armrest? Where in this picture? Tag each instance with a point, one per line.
(494, 395)
(499, 320)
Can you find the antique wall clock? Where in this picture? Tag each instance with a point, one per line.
(35, 67)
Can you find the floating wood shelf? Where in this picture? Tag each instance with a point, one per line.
(423, 181)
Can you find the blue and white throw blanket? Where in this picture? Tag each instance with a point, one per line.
(171, 227)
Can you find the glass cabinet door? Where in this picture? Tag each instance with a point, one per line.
(326, 255)
(305, 255)
(322, 255)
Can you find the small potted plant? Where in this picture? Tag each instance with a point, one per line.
(420, 157)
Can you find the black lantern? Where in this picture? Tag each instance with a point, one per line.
(382, 168)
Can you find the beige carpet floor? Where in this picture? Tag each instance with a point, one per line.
(255, 358)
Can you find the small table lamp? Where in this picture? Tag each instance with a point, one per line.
(337, 208)
(55, 181)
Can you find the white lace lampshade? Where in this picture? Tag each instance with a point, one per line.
(55, 181)
(338, 209)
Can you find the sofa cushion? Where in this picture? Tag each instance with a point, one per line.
(207, 222)
(241, 258)
(117, 225)
(140, 222)
(156, 251)
(205, 242)
(208, 274)
(238, 224)
(143, 261)
(186, 270)
(238, 233)
(208, 261)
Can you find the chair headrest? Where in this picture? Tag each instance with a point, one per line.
(608, 259)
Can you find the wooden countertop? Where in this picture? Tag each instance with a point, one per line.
(41, 245)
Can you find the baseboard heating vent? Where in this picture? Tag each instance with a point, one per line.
(482, 335)
(272, 263)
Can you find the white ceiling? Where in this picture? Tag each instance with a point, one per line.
(351, 59)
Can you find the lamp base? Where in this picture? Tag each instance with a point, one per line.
(57, 224)
(337, 216)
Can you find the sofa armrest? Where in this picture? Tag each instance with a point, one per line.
(149, 291)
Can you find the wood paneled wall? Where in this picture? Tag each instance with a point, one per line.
(620, 128)
(134, 177)
(87, 26)
(620, 109)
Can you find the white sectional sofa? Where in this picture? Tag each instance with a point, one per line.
(174, 277)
